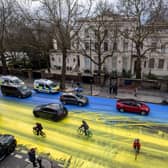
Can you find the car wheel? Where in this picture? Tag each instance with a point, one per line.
(143, 113)
(2, 157)
(65, 112)
(80, 104)
(11, 148)
(121, 110)
(35, 114)
(19, 96)
(63, 102)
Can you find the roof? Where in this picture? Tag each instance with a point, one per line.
(46, 81)
(9, 77)
(71, 94)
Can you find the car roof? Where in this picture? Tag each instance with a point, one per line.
(53, 105)
(68, 94)
(9, 77)
(45, 81)
(130, 100)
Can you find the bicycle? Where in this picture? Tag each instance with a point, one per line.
(82, 132)
(42, 133)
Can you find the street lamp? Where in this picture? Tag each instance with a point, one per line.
(91, 80)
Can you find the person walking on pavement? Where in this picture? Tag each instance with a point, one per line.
(135, 92)
(39, 160)
(32, 156)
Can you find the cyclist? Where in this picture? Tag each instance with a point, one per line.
(136, 146)
(85, 127)
(38, 128)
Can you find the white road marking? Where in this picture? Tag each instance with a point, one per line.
(18, 156)
(23, 151)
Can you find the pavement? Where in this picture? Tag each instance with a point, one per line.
(146, 95)
(150, 96)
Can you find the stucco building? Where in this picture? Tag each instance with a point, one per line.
(120, 49)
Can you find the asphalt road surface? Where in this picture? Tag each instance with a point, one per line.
(113, 133)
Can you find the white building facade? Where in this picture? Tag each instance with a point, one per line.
(155, 62)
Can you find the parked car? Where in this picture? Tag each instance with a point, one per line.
(45, 85)
(131, 105)
(7, 145)
(72, 98)
(53, 111)
(20, 91)
(10, 80)
(165, 101)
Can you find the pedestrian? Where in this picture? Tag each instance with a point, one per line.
(136, 147)
(39, 160)
(115, 88)
(32, 156)
(135, 92)
(72, 83)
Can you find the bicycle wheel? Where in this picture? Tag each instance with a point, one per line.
(34, 131)
(80, 131)
(89, 133)
(43, 134)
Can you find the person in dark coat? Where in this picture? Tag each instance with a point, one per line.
(32, 156)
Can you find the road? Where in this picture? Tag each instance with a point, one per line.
(113, 133)
(159, 113)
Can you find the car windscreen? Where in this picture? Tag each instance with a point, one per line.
(23, 88)
(52, 85)
(80, 96)
(53, 106)
(17, 81)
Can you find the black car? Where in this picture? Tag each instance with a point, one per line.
(7, 145)
(71, 98)
(53, 111)
(20, 91)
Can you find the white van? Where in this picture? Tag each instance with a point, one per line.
(45, 85)
(10, 80)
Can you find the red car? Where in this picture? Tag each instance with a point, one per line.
(131, 105)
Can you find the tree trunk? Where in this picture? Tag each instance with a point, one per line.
(138, 68)
(63, 74)
(4, 64)
(99, 65)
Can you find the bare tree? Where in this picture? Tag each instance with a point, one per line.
(141, 29)
(101, 35)
(7, 19)
(63, 16)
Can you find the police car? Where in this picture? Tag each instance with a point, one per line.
(45, 85)
(10, 80)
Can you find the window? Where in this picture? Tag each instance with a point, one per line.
(86, 45)
(161, 63)
(125, 46)
(163, 48)
(87, 63)
(59, 59)
(151, 63)
(105, 46)
(106, 33)
(144, 64)
(74, 60)
(52, 59)
(154, 46)
(115, 46)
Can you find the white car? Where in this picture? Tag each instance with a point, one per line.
(45, 85)
(10, 80)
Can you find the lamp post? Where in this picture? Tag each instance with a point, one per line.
(91, 80)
